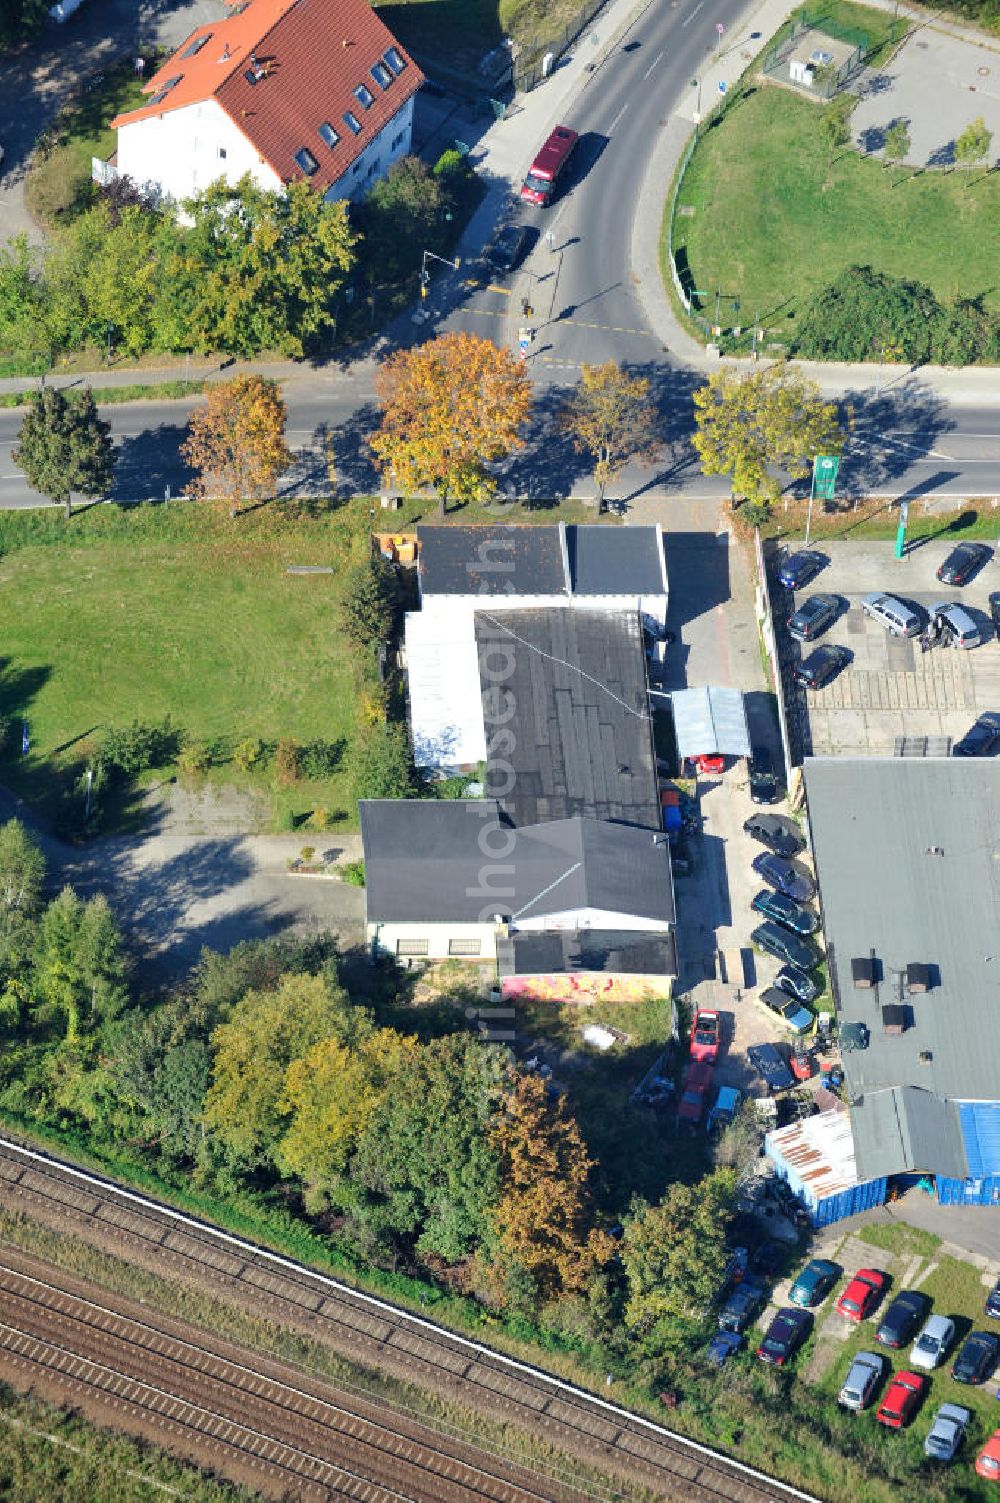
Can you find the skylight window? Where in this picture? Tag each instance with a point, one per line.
(196, 45)
(352, 122)
(328, 134)
(165, 87)
(306, 160)
(395, 59)
(381, 75)
(364, 96)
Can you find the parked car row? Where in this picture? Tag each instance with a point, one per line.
(788, 924)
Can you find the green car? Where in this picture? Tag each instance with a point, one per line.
(814, 1282)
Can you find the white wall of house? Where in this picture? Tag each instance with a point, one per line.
(392, 142)
(185, 150)
(589, 918)
(434, 941)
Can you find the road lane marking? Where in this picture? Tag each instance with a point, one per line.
(617, 118)
(652, 65)
(693, 13)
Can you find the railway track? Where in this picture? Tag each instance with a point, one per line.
(297, 1435)
(380, 1335)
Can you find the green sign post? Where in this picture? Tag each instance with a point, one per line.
(904, 512)
(823, 485)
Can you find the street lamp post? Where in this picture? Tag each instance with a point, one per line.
(696, 84)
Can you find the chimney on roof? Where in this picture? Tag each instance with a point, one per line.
(225, 54)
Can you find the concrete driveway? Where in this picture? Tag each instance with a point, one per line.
(36, 83)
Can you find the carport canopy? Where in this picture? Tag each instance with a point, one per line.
(710, 720)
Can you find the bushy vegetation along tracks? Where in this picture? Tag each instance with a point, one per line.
(377, 1333)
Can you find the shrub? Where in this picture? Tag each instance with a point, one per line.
(370, 603)
(194, 759)
(248, 753)
(319, 759)
(353, 873)
(307, 853)
(381, 766)
(136, 748)
(320, 820)
(286, 762)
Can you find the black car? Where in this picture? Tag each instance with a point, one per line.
(812, 617)
(785, 946)
(822, 665)
(902, 1318)
(507, 249)
(784, 876)
(785, 1335)
(785, 911)
(797, 984)
(779, 835)
(770, 1065)
(963, 562)
(977, 1357)
(742, 1305)
(799, 568)
(995, 611)
(765, 785)
(982, 739)
(992, 1306)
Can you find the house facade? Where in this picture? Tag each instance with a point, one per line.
(281, 90)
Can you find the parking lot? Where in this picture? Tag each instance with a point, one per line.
(891, 689)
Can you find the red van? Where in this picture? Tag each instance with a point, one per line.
(545, 171)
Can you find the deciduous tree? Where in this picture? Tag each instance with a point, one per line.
(79, 968)
(64, 447)
(748, 426)
(449, 408)
(674, 1253)
(370, 603)
(381, 765)
(611, 418)
(236, 441)
(897, 142)
(973, 144)
(544, 1218)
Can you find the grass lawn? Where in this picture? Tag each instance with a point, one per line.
(773, 218)
(58, 182)
(176, 610)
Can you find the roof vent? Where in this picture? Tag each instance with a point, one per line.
(934, 850)
(925, 1056)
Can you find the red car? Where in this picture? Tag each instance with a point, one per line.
(988, 1460)
(710, 762)
(706, 1035)
(694, 1093)
(862, 1293)
(901, 1400)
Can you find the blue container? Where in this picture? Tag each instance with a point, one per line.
(969, 1192)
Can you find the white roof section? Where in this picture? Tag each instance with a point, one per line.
(446, 708)
(817, 1154)
(710, 720)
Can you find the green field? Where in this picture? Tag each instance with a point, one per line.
(770, 216)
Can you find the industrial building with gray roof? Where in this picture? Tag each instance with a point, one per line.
(908, 864)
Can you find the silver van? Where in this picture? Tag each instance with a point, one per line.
(957, 622)
(896, 617)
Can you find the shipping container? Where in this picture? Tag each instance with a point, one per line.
(816, 1159)
(968, 1192)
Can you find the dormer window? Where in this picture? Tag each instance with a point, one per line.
(395, 60)
(364, 96)
(328, 134)
(196, 45)
(381, 75)
(352, 122)
(306, 160)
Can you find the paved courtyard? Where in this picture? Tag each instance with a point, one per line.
(938, 85)
(891, 688)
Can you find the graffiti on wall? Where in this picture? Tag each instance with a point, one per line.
(586, 987)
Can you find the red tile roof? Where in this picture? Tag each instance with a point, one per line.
(281, 69)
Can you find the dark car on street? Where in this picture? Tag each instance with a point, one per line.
(977, 1357)
(784, 876)
(798, 984)
(799, 568)
(508, 247)
(778, 942)
(780, 835)
(821, 666)
(784, 911)
(907, 1311)
(992, 1306)
(981, 739)
(963, 562)
(785, 1335)
(811, 619)
(765, 784)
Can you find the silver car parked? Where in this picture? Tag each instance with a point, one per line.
(862, 1381)
(899, 619)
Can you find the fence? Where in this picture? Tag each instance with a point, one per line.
(528, 64)
(826, 81)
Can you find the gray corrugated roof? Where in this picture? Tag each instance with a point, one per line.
(430, 861)
(905, 1129)
(908, 861)
(498, 560)
(710, 719)
(573, 706)
(615, 560)
(621, 951)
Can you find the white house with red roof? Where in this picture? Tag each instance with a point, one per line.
(281, 89)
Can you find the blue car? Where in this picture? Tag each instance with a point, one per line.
(799, 568)
(722, 1346)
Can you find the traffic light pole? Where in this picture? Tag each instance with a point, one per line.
(425, 275)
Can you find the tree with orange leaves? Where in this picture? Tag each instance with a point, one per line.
(543, 1220)
(449, 407)
(236, 442)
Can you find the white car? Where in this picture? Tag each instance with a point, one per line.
(933, 1342)
(64, 9)
(947, 1432)
(861, 1381)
